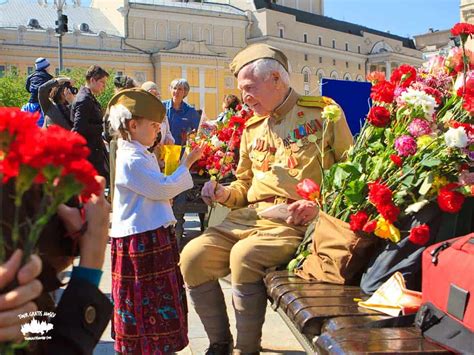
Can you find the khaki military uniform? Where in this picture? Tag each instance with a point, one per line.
(276, 152)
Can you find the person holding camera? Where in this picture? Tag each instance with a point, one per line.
(56, 97)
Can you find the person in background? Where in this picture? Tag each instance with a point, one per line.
(122, 82)
(83, 311)
(150, 314)
(166, 136)
(182, 117)
(33, 82)
(56, 97)
(88, 118)
(229, 103)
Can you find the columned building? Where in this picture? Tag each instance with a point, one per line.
(162, 40)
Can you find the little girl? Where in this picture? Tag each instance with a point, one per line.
(150, 314)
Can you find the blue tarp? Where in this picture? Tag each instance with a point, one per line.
(352, 96)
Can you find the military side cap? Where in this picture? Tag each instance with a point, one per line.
(140, 103)
(257, 51)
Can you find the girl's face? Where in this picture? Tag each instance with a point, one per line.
(144, 131)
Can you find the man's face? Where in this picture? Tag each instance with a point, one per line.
(97, 86)
(178, 93)
(260, 95)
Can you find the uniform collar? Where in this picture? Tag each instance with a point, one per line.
(286, 105)
(280, 112)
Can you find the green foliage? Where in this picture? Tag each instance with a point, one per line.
(12, 90)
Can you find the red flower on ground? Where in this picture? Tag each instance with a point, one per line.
(396, 160)
(383, 91)
(403, 76)
(449, 200)
(308, 189)
(420, 235)
(462, 28)
(358, 220)
(379, 116)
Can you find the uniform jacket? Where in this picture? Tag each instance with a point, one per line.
(53, 113)
(34, 81)
(87, 120)
(279, 150)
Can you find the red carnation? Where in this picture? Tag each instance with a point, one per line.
(403, 76)
(468, 104)
(383, 91)
(358, 220)
(449, 200)
(370, 226)
(420, 235)
(308, 189)
(462, 28)
(396, 160)
(379, 116)
(379, 193)
(389, 211)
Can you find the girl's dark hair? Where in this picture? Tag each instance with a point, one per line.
(231, 101)
(57, 93)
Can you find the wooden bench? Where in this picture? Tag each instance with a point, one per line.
(325, 317)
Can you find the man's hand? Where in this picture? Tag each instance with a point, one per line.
(211, 194)
(302, 212)
(19, 300)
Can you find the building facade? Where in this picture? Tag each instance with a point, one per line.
(162, 40)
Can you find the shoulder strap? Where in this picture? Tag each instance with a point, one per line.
(315, 101)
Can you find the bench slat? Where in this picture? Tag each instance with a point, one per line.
(376, 341)
(311, 297)
(350, 322)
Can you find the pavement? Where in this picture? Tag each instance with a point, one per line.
(277, 338)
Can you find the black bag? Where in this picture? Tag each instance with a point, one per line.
(405, 256)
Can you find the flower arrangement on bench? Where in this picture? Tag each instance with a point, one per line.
(416, 147)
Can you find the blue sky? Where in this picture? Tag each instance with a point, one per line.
(401, 17)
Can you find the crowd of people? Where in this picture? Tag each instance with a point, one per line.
(149, 276)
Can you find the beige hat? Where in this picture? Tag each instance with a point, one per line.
(257, 51)
(140, 103)
(149, 85)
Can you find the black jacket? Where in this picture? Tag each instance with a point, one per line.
(53, 113)
(87, 120)
(34, 81)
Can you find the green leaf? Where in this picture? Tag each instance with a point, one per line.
(354, 191)
(344, 171)
(430, 162)
(408, 180)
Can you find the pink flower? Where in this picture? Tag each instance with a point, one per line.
(405, 145)
(419, 127)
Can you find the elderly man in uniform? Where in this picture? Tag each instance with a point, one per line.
(279, 148)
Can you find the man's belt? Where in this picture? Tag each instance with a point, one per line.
(276, 200)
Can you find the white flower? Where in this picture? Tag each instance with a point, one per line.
(415, 207)
(118, 115)
(216, 142)
(456, 137)
(420, 99)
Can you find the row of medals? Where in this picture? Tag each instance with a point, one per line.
(299, 138)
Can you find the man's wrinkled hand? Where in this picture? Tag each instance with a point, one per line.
(210, 193)
(302, 212)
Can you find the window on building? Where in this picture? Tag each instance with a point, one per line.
(334, 62)
(305, 38)
(30, 70)
(119, 73)
(320, 41)
(56, 72)
(306, 57)
(140, 76)
(347, 46)
(281, 32)
(320, 60)
(306, 77)
(358, 49)
(2, 71)
(320, 77)
(333, 43)
(359, 66)
(347, 64)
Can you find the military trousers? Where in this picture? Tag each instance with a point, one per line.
(244, 245)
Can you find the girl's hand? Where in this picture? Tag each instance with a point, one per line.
(193, 156)
(302, 212)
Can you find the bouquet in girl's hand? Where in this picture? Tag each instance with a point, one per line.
(416, 146)
(222, 141)
(52, 160)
